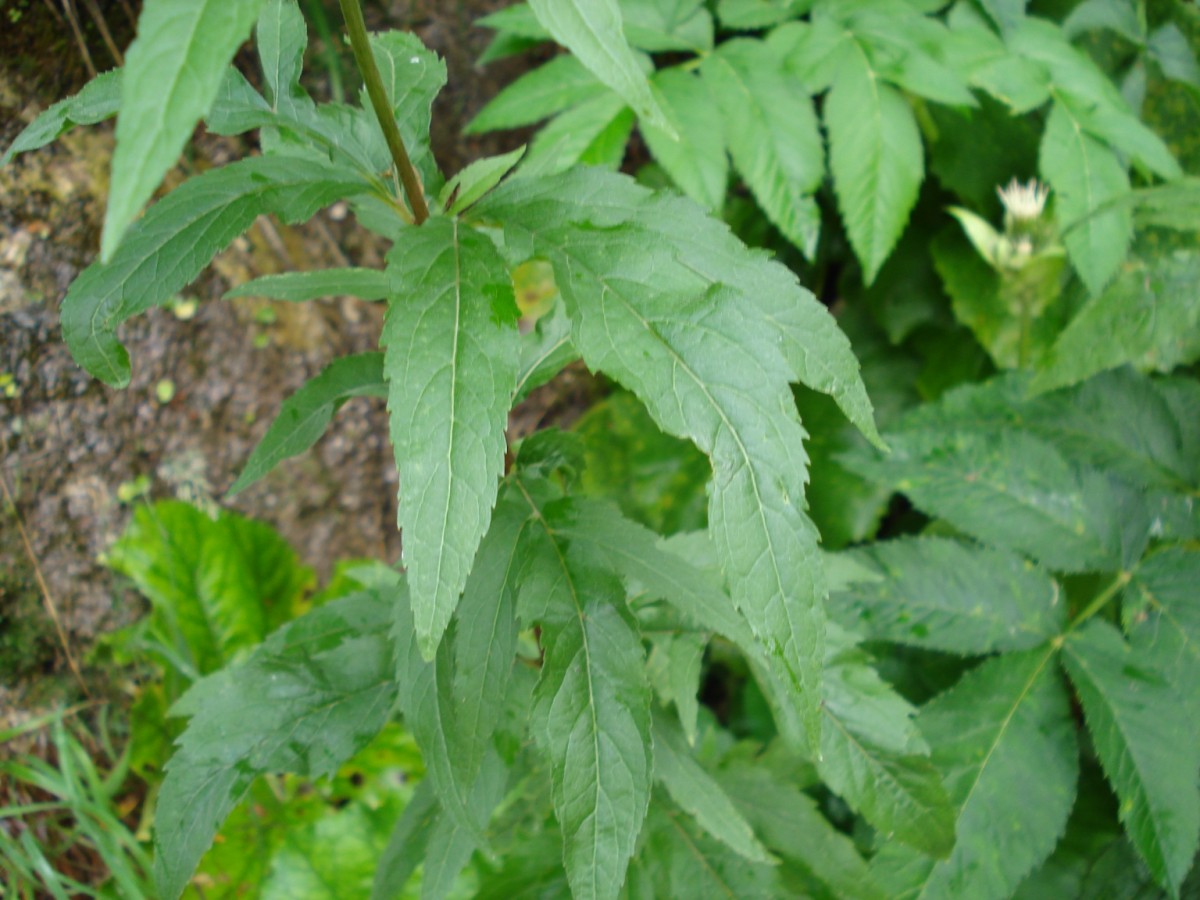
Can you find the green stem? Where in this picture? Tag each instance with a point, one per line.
(359, 43)
(1101, 600)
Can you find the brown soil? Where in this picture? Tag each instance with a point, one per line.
(68, 443)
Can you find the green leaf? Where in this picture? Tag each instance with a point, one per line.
(558, 85)
(217, 587)
(177, 238)
(591, 715)
(545, 352)
(595, 132)
(700, 795)
(451, 364)
(750, 14)
(325, 859)
(696, 160)
(946, 595)
(1003, 734)
(412, 77)
(906, 50)
(476, 180)
(1085, 174)
(772, 134)
(303, 417)
(592, 31)
(1122, 130)
(406, 848)
(1148, 317)
(1148, 753)
(99, 99)
(1163, 618)
(282, 38)
(873, 756)
(313, 695)
(659, 26)
(674, 668)
(173, 71)
(450, 845)
(297, 287)
(1007, 14)
(876, 158)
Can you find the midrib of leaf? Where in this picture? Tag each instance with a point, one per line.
(587, 653)
(1050, 650)
(699, 855)
(535, 363)
(876, 155)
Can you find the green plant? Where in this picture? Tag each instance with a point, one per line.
(545, 648)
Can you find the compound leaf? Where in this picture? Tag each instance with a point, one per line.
(307, 700)
(177, 238)
(1149, 752)
(303, 416)
(173, 71)
(451, 358)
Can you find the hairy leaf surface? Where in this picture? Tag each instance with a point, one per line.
(451, 365)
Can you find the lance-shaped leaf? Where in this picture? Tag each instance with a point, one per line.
(412, 77)
(98, 100)
(696, 160)
(1086, 174)
(1148, 753)
(591, 713)
(1001, 735)
(173, 71)
(592, 31)
(177, 238)
(947, 595)
(307, 700)
(557, 86)
(303, 417)
(451, 365)
(876, 158)
(297, 287)
(282, 38)
(772, 134)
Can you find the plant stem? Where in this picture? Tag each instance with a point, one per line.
(357, 29)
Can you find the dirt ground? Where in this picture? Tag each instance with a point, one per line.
(73, 451)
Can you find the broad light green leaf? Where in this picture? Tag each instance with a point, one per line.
(592, 31)
(99, 99)
(476, 180)
(451, 365)
(674, 667)
(873, 756)
(593, 133)
(772, 134)
(1007, 14)
(906, 51)
(313, 695)
(700, 795)
(1085, 174)
(1002, 735)
(1169, 47)
(591, 714)
(545, 352)
(412, 77)
(876, 158)
(759, 13)
(1119, 16)
(660, 26)
(947, 595)
(297, 287)
(217, 588)
(1148, 750)
(1123, 131)
(282, 38)
(558, 85)
(1162, 617)
(177, 238)
(326, 859)
(696, 160)
(173, 70)
(791, 824)
(303, 417)
(1148, 317)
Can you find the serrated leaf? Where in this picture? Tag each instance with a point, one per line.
(217, 587)
(558, 85)
(1084, 174)
(282, 38)
(476, 180)
(595, 132)
(700, 795)
(772, 134)
(98, 100)
(177, 238)
(1148, 317)
(451, 363)
(876, 158)
(174, 68)
(297, 287)
(1123, 131)
(696, 160)
(412, 77)
(1149, 754)
(947, 595)
(906, 51)
(1002, 734)
(303, 417)
(313, 695)
(591, 714)
(592, 31)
